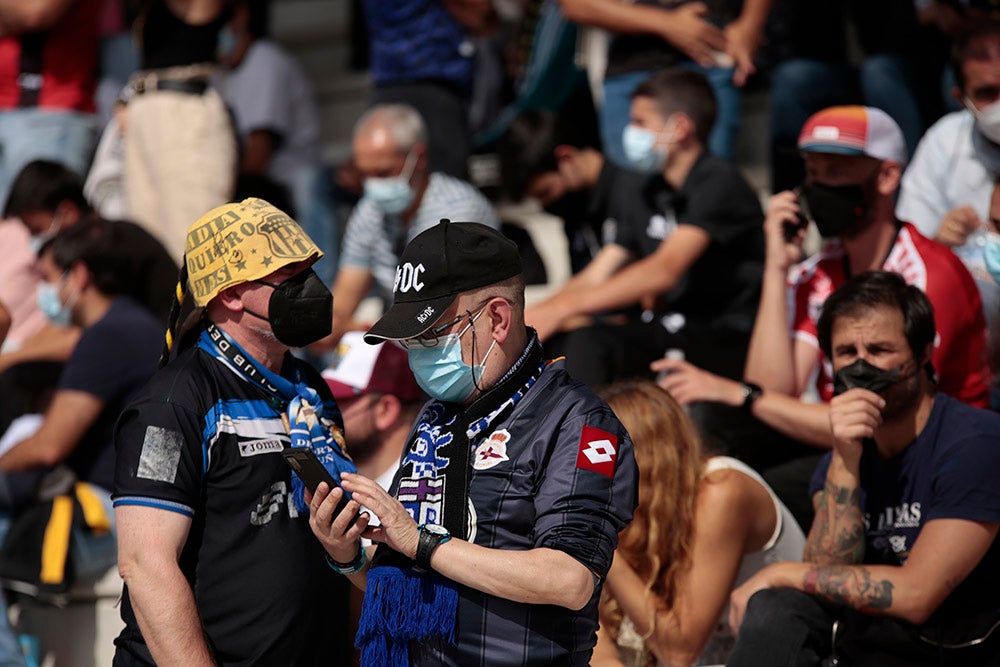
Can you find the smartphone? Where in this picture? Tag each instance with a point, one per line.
(791, 230)
(309, 469)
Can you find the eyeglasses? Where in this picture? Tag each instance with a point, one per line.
(432, 337)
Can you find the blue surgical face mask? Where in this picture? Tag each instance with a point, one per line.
(52, 306)
(392, 195)
(641, 150)
(440, 370)
(991, 255)
(38, 240)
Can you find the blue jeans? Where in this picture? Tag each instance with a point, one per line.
(614, 112)
(68, 137)
(787, 628)
(92, 556)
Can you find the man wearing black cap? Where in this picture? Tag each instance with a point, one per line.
(505, 512)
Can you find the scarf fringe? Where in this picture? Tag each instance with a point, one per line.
(401, 606)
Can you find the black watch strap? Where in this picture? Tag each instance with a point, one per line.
(751, 392)
(426, 544)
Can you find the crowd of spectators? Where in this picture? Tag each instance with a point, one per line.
(122, 122)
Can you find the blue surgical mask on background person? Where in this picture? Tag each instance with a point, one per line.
(440, 370)
(641, 150)
(38, 240)
(393, 194)
(991, 255)
(51, 305)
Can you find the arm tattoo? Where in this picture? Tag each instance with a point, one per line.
(837, 535)
(849, 586)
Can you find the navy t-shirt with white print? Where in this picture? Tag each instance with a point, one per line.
(948, 472)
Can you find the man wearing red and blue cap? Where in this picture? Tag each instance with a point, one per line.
(854, 158)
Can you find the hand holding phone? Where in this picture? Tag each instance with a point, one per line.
(791, 229)
(304, 463)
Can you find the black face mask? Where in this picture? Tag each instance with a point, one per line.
(863, 375)
(841, 210)
(301, 309)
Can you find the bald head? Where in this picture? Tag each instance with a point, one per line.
(398, 127)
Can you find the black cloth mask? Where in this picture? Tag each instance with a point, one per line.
(301, 309)
(863, 375)
(841, 210)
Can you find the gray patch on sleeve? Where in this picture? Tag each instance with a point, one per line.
(161, 453)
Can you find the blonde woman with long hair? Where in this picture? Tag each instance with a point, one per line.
(704, 525)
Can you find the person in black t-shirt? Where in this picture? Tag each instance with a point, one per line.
(219, 564)
(683, 251)
(48, 198)
(82, 280)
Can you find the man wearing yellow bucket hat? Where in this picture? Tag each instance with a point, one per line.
(214, 542)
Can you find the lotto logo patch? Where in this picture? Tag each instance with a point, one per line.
(598, 451)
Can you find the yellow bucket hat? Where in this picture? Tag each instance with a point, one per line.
(239, 242)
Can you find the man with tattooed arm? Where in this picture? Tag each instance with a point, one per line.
(902, 565)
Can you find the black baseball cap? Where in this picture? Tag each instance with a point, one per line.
(438, 265)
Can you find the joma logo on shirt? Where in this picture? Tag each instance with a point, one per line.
(255, 447)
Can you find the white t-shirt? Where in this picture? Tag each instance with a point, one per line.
(944, 174)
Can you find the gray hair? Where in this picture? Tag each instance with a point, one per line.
(404, 123)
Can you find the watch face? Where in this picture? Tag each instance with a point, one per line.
(435, 529)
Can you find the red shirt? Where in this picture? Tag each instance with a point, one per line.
(68, 62)
(960, 345)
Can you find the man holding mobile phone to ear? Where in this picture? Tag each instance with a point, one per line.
(854, 157)
(214, 544)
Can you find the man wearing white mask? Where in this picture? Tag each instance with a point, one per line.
(947, 187)
(683, 249)
(402, 198)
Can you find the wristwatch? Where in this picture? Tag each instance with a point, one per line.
(431, 537)
(751, 392)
